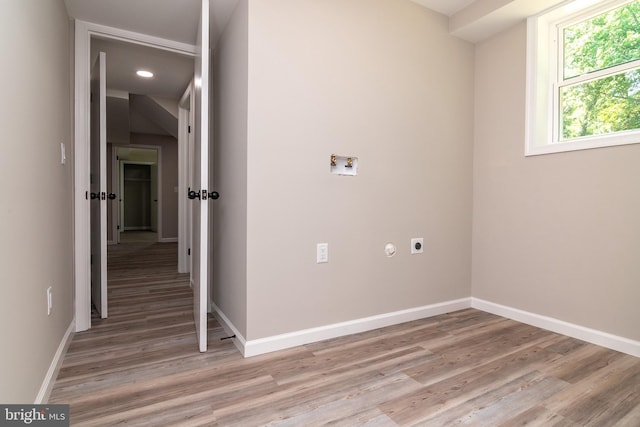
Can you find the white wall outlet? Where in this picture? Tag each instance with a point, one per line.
(322, 253)
(417, 245)
(49, 300)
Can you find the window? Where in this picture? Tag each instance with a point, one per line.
(583, 76)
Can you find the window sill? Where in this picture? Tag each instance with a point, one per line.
(585, 143)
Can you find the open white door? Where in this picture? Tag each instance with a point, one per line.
(198, 196)
(185, 182)
(98, 179)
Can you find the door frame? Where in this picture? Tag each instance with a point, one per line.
(186, 108)
(81, 160)
(98, 169)
(116, 176)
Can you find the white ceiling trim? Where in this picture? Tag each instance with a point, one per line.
(446, 7)
(104, 31)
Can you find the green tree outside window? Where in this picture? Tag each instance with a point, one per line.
(608, 102)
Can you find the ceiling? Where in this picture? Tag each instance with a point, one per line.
(175, 20)
(178, 19)
(169, 19)
(172, 71)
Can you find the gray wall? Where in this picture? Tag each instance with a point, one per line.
(557, 235)
(230, 169)
(383, 81)
(36, 206)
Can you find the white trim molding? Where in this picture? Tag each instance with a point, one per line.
(54, 367)
(229, 327)
(139, 38)
(168, 240)
(545, 80)
(306, 336)
(185, 107)
(604, 339)
(292, 339)
(82, 52)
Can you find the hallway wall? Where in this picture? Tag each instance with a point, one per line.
(36, 205)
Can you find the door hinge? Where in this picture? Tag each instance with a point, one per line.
(189, 251)
(189, 129)
(117, 227)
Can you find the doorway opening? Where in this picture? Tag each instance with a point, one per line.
(138, 156)
(137, 215)
(199, 57)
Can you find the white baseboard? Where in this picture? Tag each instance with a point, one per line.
(239, 340)
(168, 240)
(54, 367)
(604, 339)
(306, 336)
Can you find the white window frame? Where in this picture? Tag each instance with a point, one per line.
(544, 78)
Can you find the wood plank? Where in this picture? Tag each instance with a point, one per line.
(141, 367)
(451, 392)
(358, 407)
(538, 416)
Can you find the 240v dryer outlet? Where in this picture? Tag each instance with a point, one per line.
(417, 245)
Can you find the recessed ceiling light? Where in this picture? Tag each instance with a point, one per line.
(145, 74)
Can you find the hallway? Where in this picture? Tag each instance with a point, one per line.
(122, 364)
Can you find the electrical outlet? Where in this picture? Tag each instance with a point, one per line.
(322, 253)
(49, 300)
(417, 245)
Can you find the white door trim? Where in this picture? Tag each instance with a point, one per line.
(184, 122)
(82, 238)
(201, 94)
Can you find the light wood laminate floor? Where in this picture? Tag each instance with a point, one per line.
(141, 367)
